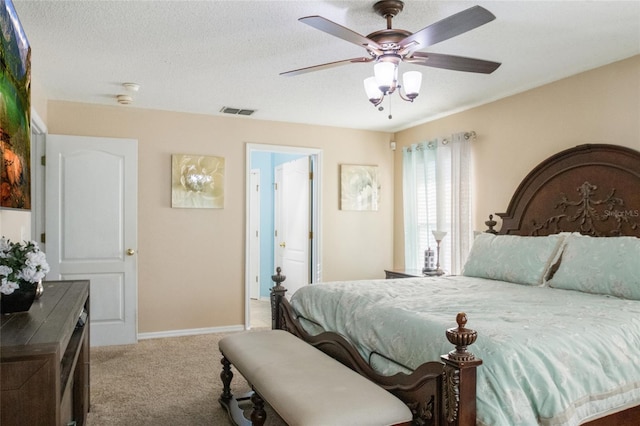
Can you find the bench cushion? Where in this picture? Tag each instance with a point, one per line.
(307, 387)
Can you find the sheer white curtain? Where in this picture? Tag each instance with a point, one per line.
(437, 196)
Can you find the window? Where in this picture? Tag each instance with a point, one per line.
(436, 189)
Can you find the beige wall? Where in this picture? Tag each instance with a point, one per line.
(15, 225)
(191, 261)
(517, 133)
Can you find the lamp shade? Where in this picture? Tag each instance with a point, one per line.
(412, 81)
(371, 87)
(385, 73)
(439, 235)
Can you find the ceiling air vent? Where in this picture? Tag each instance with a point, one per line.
(237, 111)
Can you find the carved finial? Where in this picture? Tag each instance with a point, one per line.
(461, 337)
(461, 319)
(490, 224)
(278, 278)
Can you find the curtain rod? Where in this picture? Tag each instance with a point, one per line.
(430, 145)
(466, 135)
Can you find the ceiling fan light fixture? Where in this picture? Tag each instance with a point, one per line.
(389, 47)
(412, 80)
(373, 92)
(386, 75)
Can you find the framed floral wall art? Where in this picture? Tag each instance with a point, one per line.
(15, 111)
(197, 181)
(359, 187)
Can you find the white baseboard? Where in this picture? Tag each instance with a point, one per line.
(190, 332)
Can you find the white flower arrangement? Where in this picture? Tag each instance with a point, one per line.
(21, 264)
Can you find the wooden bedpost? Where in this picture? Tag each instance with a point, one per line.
(459, 383)
(277, 293)
(490, 224)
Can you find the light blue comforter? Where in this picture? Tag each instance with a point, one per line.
(551, 357)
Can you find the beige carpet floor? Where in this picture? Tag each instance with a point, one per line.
(169, 381)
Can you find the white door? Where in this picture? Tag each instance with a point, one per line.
(91, 227)
(254, 234)
(293, 222)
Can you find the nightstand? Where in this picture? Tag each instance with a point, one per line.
(402, 273)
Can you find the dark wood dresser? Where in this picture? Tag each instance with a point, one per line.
(44, 354)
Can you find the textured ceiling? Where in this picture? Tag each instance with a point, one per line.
(198, 56)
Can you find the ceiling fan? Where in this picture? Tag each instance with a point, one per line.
(388, 47)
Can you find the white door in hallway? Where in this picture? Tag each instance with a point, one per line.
(293, 222)
(91, 227)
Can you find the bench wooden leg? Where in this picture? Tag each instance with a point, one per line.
(258, 415)
(226, 375)
(227, 400)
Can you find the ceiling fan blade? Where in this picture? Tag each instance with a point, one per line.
(450, 62)
(447, 28)
(325, 66)
(337, 30)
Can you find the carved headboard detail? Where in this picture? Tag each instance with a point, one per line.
(592, 189)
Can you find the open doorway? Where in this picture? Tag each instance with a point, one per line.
(262, 245)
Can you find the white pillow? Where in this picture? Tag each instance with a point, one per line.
(512, 258)
(604, 265)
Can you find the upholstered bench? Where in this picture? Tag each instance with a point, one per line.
(302, 384)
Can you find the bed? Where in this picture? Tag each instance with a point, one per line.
(556, 306)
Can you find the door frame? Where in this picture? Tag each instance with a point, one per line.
(39, 130)
(316, 217)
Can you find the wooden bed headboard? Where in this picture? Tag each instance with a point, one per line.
(593, 189)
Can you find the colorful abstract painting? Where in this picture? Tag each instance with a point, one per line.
(15, 111)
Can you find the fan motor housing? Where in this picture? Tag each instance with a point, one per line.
(390, 38)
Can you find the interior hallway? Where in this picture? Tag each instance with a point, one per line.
(260, 313)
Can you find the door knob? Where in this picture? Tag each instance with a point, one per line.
(131, 252)
(283, 244)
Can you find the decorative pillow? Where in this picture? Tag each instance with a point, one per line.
(511, 258)
(608, 265)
